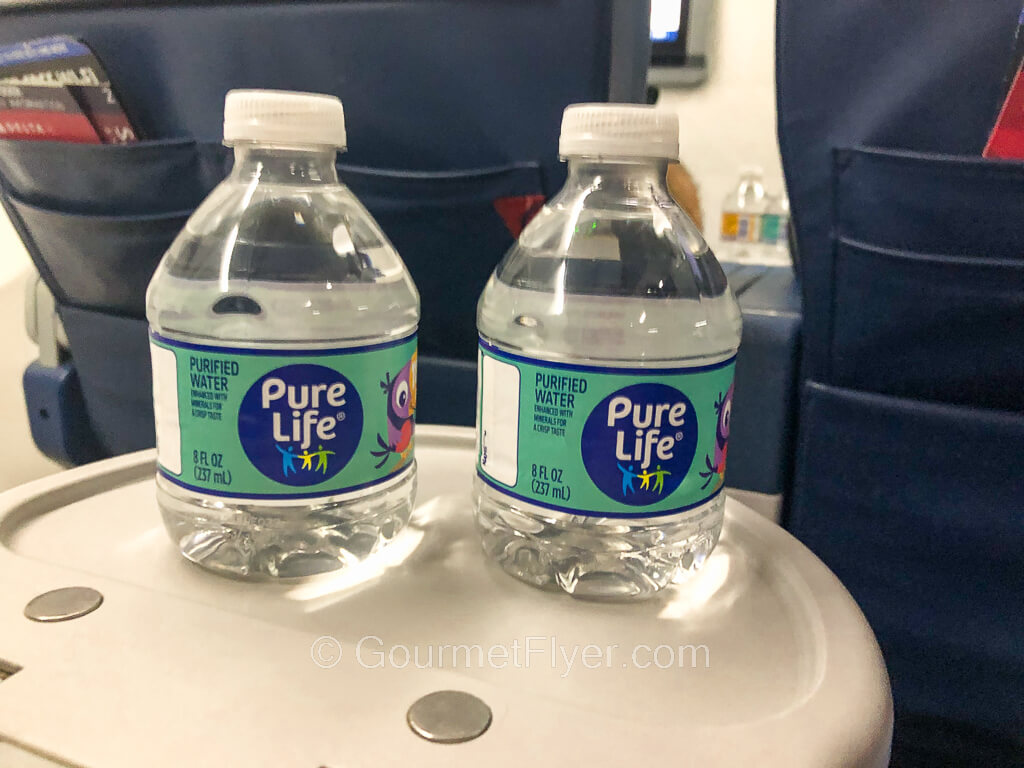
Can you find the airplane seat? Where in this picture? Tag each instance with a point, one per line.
(907, 477)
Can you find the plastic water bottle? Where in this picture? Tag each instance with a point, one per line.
(742, 213)
(608, 336)
(283, 337)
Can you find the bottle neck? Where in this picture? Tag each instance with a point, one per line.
(751, 187)
(642, 178)
(285, 165)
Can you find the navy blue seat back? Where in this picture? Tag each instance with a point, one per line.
(907, 479)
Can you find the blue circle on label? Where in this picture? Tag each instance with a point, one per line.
(639, 443)
(300, 424)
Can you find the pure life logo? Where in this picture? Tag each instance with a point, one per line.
(300, 424)
(639, 443)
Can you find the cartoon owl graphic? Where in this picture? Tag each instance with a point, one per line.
(400, 392)
(716, 468)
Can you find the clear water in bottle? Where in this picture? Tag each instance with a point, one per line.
(607, 340)
(283, 335)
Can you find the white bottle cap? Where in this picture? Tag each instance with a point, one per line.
(619, 130)
(284, 117)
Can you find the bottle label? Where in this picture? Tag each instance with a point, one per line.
(607, 442)
(770, 228)
(748, 227)
(283, 423)
(730, 226)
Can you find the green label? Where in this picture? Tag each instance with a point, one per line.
(608, 442)
(770, 228)
(283, 423)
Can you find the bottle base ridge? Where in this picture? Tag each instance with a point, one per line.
(256, 541)
(595, 558)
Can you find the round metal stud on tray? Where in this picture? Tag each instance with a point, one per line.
(63, 604)
(449, 717)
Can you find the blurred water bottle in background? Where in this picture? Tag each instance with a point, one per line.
(742, 214)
